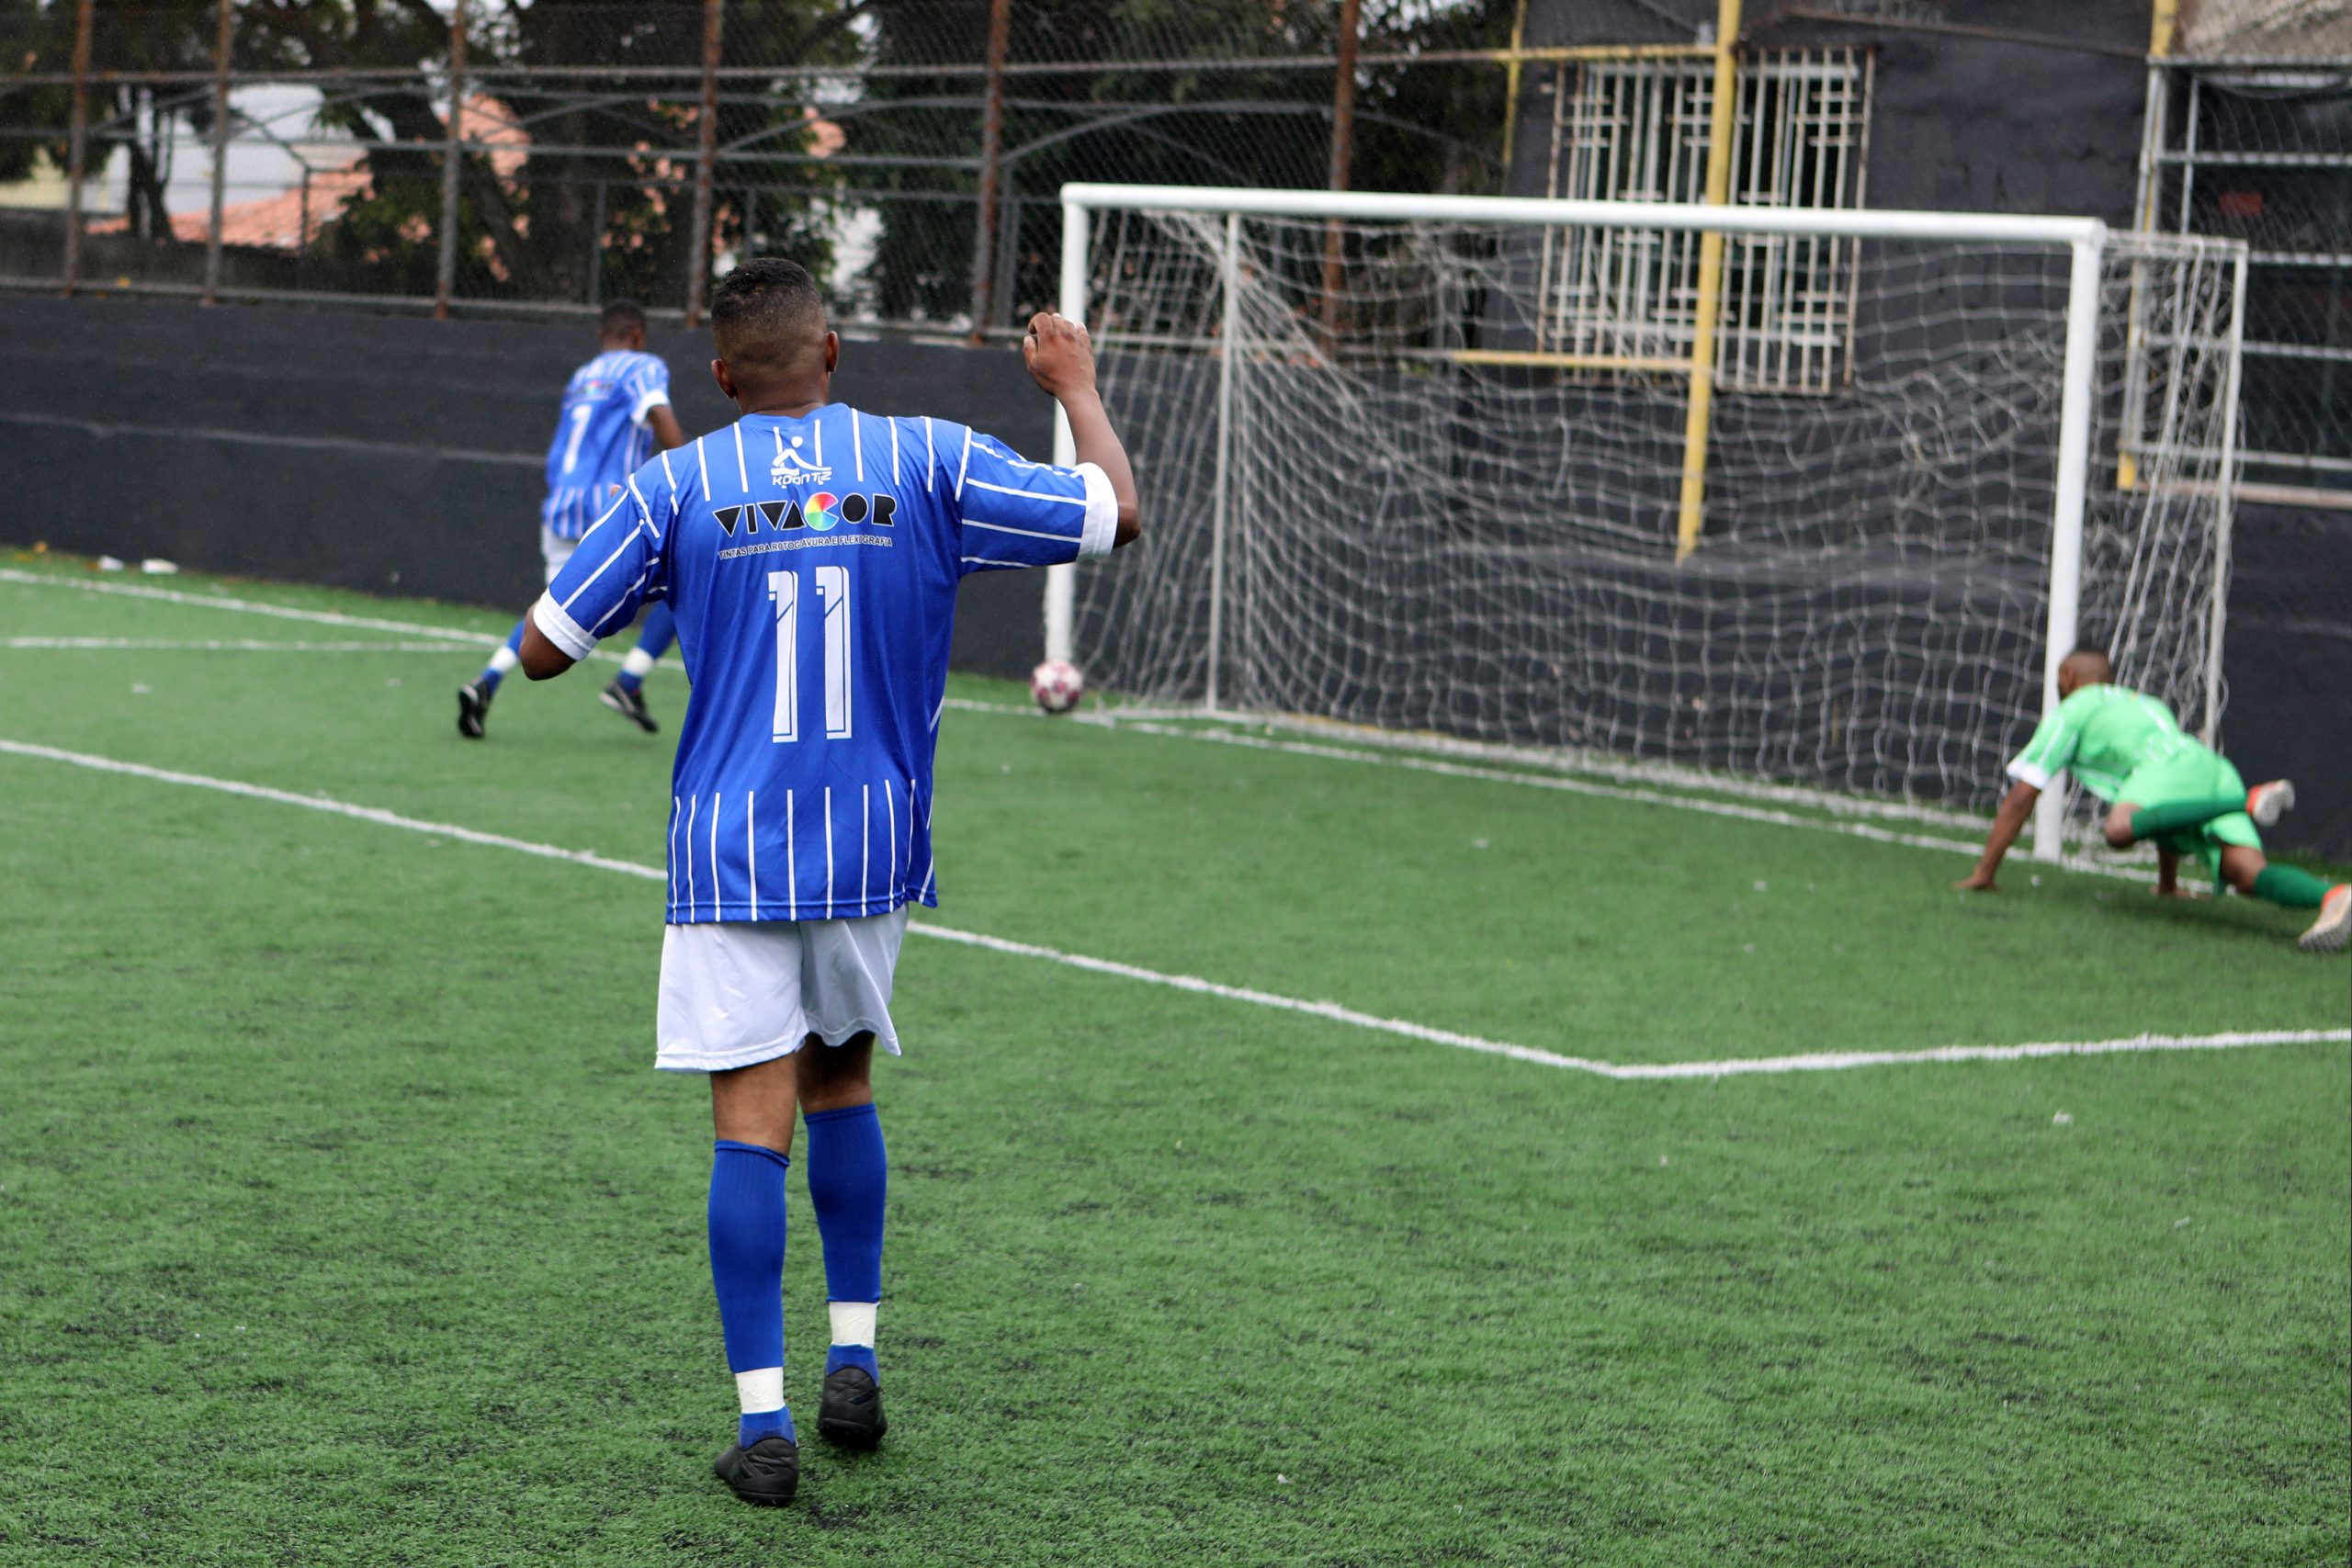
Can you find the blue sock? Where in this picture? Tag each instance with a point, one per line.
(848, 1178)
(747, 1268)
(661, 630)
(506, 659)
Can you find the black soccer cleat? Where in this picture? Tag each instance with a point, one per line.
(630, 705)
(473, 707)
(768, 1472)
(851, 1414)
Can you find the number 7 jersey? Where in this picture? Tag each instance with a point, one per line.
(812, 564)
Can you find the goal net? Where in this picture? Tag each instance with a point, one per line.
(1443, 474)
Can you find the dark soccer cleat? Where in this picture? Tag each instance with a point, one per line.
(851, 1414)
(629, 705)
(473, 707)
(768, 1472)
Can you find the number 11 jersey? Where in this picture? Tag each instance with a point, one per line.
(812, 564)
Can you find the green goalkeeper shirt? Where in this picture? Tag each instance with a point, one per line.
(2102, 733)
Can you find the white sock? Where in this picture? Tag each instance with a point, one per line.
(761, 1391)
(638, 664)
(504, 661)
(854, 1322)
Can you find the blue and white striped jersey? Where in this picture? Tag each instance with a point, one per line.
(601, 437)
(812, 566)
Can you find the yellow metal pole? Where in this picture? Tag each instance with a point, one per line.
(1711, 282)
(1511, 110)
(2164, 20)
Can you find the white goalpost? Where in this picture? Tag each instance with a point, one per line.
(1816, 496)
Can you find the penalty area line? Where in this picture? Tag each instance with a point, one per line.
(1332, 1012)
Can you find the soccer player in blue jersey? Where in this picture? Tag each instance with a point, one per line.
(616, 414)
(811, 552)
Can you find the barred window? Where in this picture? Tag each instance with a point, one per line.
(1637, 130)
(2263, 154)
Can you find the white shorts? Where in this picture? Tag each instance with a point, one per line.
(738, 992)
(554, 551)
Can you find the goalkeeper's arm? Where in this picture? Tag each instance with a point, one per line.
(2016, 806)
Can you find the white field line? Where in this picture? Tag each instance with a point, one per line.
(1600, 764)
(1571, 786)
(244, 606)
(448, 636)
(220, 645)
(1823, 1062)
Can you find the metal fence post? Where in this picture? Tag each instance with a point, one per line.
(1343, 148)
(444, 282)
(699, 257)
(212, 235)
(596, 251)
(991, 170)
(78, 147)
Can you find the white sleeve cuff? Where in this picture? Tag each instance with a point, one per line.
(654, 397)
(1101, 513)
(560, 629)
(2026, 773)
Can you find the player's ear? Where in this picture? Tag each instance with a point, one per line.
(833, 350)
(726, 382)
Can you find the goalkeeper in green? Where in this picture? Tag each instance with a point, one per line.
(2160, 785)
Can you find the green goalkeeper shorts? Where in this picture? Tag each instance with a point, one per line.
(2194, 773)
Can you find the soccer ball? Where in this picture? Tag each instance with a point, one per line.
(1056, 685)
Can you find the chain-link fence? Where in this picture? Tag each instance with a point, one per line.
(552, 155)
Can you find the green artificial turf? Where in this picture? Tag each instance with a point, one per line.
(343, 1221)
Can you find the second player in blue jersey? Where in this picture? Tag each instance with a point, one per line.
(616, 414)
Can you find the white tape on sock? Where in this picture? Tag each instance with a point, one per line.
(761, 1391)
(854, 1322)
(638, 664)
(504, 659)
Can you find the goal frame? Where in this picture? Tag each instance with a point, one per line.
(2084, 241)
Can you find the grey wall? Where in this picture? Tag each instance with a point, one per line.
(389, 454)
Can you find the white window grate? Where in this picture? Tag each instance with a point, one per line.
(1637, 130)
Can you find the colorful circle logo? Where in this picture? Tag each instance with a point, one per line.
(821, 511)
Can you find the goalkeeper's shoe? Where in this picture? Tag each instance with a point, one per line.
(851, 1414)
(2266, 803)
(629, 705)
(2330, 932)
(473, 707)
(768, 1472)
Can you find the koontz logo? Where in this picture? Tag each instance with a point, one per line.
(791, 468)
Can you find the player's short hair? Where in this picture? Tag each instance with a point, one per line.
(767, 310)
(621, 316)
(2091, 653)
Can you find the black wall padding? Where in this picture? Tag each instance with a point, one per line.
(391, 454)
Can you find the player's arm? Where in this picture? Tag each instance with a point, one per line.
(2050, 751)
(542, 659)
(2016, 809)
(1062, 361)
(615, 570)
(668, 434)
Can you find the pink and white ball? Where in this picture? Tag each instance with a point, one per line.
(1056, 685)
